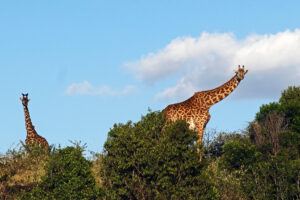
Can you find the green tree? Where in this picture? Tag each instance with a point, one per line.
(21, 169)
(278, 123)
(267, 109)
(239, 153)
(68, 176)
(288, 107)
(267, 165)
(290, 102)
(148, 160)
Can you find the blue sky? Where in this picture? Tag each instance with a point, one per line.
(89, 64)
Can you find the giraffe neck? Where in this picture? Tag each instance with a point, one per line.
(29, 127)
(222, 91)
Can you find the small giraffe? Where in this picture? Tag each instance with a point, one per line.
(195, 110)
(32, 136)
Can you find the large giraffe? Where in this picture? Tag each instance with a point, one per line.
(32, 136)
(195, 110)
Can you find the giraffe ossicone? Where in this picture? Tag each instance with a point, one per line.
(195, 110)
(32, 136)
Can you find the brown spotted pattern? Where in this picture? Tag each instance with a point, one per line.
(32, 136)
(195, 110)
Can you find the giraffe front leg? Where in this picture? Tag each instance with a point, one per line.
(199, 129)
(206, 121)
(201, 122)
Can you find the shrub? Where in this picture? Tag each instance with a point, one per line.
(21, 170)
(68, 176)
(239, 153)
(148, 160)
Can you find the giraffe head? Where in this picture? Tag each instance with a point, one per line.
(240, 73)
(25, 99)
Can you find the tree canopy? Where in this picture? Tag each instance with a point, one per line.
(151, 160)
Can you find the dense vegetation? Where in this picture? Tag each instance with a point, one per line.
(148, 160)
(153, 160)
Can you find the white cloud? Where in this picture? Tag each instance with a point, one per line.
(85, 88)
(208, 61)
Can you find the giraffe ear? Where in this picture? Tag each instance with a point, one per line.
(29, 100)
(20, 98)
(246, 71)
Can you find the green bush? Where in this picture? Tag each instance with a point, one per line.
(148, 160)
(239, 153)
(290, 101)
(21, 170)
(267, 109)
(266, 164)
(288, 106)
(68, 176)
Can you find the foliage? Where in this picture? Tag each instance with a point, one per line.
(21, 169)
(96, 168)
(148, 160)
(213, 142)
(288, 106)
(239, 153)
(227, 182)
(266, 163)
(68, 176)
(290, 101)
(266, 109)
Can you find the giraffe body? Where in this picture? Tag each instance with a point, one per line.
(195, 110)
(32, 136)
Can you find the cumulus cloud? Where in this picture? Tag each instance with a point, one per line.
(208, 61)
(85, 88)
